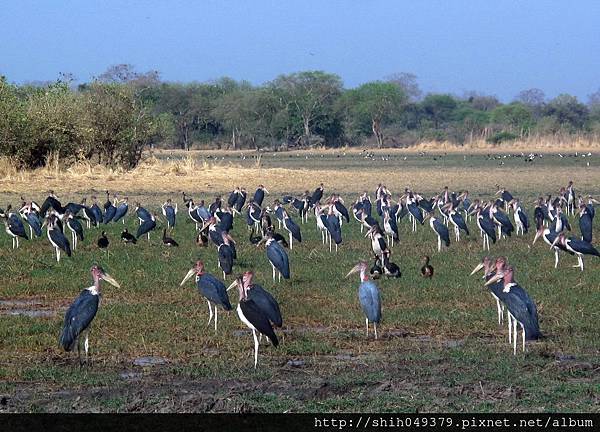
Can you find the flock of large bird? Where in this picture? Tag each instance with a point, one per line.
(378, 220)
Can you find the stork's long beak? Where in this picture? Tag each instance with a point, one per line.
(266, 191)
(497, 193)
(189, 274)
(538, 234)
(369, 232)
(594, 200)
(355, 269)
(108, 278)
(234, 284)
(554, 242)
(495, 279)
(476, 269)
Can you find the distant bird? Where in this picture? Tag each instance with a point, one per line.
(368, 296)
(168, 241)
(109, 209)
(427, 269)
(13, 226)
(146, 226)
(576, 246)
(121, 210)
(81, 313)
(211, 288)
(259, 195)
(169, 211)
(57, 238)
(585, 223)
(254, 316)
(292, 228)
(103, 241)
(278, 258)
(127, 237)
(75, 227)
(441, 231)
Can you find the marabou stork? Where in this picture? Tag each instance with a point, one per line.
(292, 228)
(226, 256)
(75, 228)
(211, 288)
(390, 226)
(121, 209)
(278, 258)
(458, 222)
(254, 215)
(169, 211)
(520, 217)
(377, 269)
(486, 226)
(317, 195)
(368, 296)
(440, 230)
(585, 223)
(427, 269)
(56, 237)
(377, 241)
(241, 200)
(521, 307)
(127, 237)
(30, 214)
(97, 211)
(259, 195)
(334, 228)
(505, 226)
(81, 313)
(109, 209)
(415, 213)
(489, 267)
(13, 226)
(146, 226)
(193, 211)
(549, 236)
(265, 301)
(576, 246)
(89, 215)
(251, 313)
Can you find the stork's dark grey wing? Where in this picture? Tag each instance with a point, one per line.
(78, 317)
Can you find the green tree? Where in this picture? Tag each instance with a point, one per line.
(372, 106)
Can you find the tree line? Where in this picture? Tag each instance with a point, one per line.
(113, 118)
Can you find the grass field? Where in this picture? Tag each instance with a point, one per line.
(440, 348)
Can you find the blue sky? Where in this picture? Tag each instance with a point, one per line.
(496, 47)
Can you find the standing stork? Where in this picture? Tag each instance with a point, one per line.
(251, 313)
(259, 195)
(265, 301)
(549, 236)
(56, 237)
(211, 288)
(334, 228)
(368, 296)
(378, 243)
(121, 209)
(521, 307)
(278, 258)
(520, 217)
(440, 230)
(109, 209)
(13, 226)
(146, 226)
(292, 228)
(169, 211)
(576, 246)
(585, 223)
(390, 226)
(488, 272)
(81, 313)
(75, 228)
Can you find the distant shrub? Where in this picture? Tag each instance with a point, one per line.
(503, 136)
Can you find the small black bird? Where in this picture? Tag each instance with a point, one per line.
(390, 269)
(127, 237)
(426, 270)
(168, 241)
(376, 270)
(103, 241)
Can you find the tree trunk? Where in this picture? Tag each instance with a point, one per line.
(233, 139)
(306, 131)
(376, 126)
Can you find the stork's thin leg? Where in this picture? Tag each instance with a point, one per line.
(523, 328)
(515, 336)
(375, 328)
(291, 244)
(57, 255)
(509, 328)
(13, 242)
(216, 314)
(439, 244)
(555, 258)
(148, 235)
(279, 280)
(79, 352)
(367, 322)
(86, 345)
(499, 311)
(210, 313)
(255, 348)
(273, 272)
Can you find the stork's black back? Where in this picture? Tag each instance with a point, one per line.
(78, 318)
(255, 315)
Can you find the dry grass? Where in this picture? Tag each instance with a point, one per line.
(167, 172)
